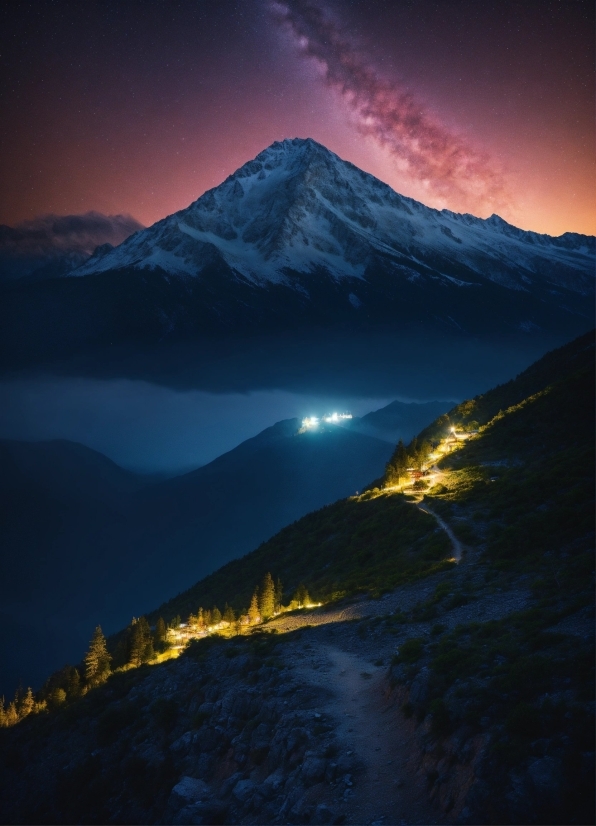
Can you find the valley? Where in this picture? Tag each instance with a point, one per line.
(150, 539)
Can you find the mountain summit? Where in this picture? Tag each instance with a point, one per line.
(299, 208)
(298, 239)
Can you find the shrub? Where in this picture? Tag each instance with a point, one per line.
(411, 650)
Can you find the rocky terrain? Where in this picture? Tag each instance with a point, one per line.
(449, 678)
(309, 726)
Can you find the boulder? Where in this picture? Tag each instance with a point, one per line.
(190, 789)
(313, 770)
(183, 743)
(243, 790)
(323, 814)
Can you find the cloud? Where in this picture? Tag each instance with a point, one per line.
(447, 165)
(51, 245)
(81, 233)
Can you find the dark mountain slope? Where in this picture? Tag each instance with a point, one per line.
(62, 506)
(491, 662)
(83, 541)
(550, 369)
(313, 549)
(205, 518)
(397, 420)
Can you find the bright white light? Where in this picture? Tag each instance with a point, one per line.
(310, 422)
(333, 418)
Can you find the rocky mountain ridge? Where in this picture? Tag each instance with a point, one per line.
(298, 207)
(297, 242)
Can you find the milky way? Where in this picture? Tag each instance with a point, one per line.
(137, 107)
(447, 165)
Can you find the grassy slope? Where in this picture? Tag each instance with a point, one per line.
(354, 545)
(550, 369)
(521, 496)
(372, 545)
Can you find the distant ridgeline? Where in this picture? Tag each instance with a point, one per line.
(524, 480)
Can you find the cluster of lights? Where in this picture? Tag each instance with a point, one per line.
(336, 417)
(311, 422)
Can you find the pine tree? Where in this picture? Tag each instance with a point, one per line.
(301, 596)
(141, 642)
(161, 632)
(279, 595)
(11, 716)
(424, 452)
(27, 704)
(97, 659)
(253, 611)
(398, 464)
(57, 697)
(228, 615)
(267, 598)
(207, 618)
(74, 683)
(216, 616)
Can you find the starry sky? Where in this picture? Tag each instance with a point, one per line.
(138, 106)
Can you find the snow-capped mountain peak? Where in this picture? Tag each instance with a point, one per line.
(297, 208)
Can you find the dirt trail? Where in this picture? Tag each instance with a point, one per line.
(457, 546)
(385, 790)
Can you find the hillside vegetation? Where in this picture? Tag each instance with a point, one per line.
(541, 447)
(490, 661)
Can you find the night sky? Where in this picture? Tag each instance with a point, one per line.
(139, 106)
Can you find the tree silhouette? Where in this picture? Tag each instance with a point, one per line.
(399, 462)
(267, 600)
(97, 659)
(253, 611)
(161, 632)
(301, 596)
(279, 593)
(141, 642)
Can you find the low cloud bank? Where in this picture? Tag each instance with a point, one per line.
(54, 244)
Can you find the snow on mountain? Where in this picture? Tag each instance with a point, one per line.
(298, 208)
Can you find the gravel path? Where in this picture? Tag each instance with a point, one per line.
(382, 789)
(457, 546)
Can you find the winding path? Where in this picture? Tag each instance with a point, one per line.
(457, 546)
